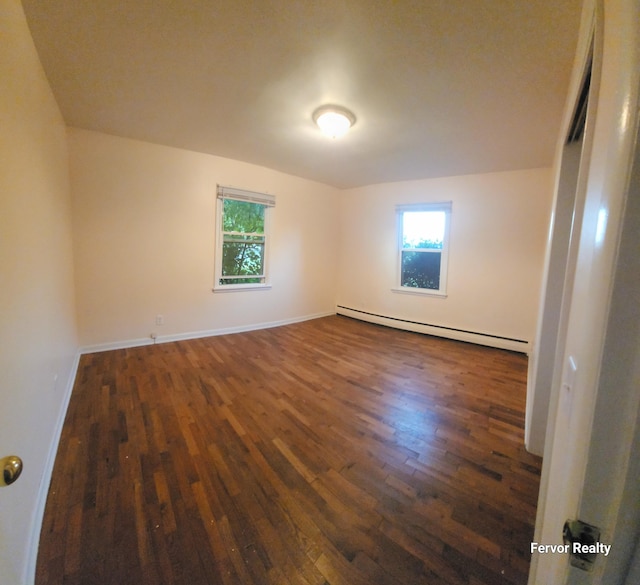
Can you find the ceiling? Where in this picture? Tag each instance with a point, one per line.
(439, 87)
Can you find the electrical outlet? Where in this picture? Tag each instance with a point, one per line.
(159, 319)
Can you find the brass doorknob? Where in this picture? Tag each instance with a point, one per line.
(11, 468)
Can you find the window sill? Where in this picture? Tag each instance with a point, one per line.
(425, 292)
(240, 287)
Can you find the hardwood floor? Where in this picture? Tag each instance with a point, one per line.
(326, 452)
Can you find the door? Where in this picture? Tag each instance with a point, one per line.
(589, 471)
(611, 498)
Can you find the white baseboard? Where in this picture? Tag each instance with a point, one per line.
(436, 330)
(197, 334)
(45, 480)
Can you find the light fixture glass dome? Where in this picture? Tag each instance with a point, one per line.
(334, 121)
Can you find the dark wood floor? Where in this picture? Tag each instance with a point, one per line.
(326, 452)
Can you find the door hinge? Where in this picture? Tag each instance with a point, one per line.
(584, 542)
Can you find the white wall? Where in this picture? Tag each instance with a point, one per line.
(498, 233)
(37, 321)
(144, 243)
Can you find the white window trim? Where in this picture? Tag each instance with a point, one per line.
(444, 252)
(253, 197)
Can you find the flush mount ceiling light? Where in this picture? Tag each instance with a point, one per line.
(334, 121)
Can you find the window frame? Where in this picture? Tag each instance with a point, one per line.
(444, 251)
(268, 201)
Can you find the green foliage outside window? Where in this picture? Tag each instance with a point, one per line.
(421, 270)
(243, 242)
(431, 244)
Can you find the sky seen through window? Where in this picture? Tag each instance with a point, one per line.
(421, 226)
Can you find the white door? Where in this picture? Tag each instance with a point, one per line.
(611, 494)
(589, 471)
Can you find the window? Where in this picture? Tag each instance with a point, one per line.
(423, 236)
(242, 239)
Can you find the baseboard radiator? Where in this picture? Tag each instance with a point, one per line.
(498, 341)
